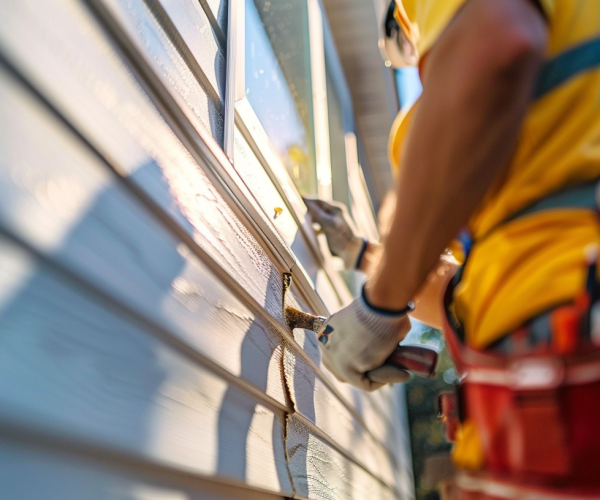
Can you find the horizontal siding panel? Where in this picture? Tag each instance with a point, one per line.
(128, 126)
(38, 474)
(262, 192)
(319, 471)
(205, 358)
(328, 292)
(71, 208)
(261, 189)
(383, 409)
(146, 30)
(71, 367)
(320, 406)
(67, 165)
(202, 43)
(383, 412)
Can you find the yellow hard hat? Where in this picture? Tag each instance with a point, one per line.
(397, 41)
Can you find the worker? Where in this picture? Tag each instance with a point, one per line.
(501, 153)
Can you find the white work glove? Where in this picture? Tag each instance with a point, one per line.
(341, 234)
(358, 339)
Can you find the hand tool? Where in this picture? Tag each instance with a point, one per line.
(418, 359)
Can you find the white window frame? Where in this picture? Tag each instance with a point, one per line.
(245, 117)
(239, 113)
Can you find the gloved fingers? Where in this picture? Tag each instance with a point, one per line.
(363, 382)
(388, 374)
(372, 386)
(318, 215)
(360, 339)
(316, 206)
(326, 220)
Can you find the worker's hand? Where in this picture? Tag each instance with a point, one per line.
(335, 221)
(359, 340)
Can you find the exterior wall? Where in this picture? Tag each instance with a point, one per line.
(143, 349)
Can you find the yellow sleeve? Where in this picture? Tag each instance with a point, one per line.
(432, 16)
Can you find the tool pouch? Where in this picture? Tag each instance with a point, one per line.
(448, 414)
(536, 434)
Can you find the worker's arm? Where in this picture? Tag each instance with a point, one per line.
(477, 84)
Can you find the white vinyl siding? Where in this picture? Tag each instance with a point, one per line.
(144, 353)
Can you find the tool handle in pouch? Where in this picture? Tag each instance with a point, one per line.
(417, 359)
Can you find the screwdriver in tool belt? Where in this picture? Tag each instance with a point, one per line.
(418, 359)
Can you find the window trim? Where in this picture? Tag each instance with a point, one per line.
(242, 115)
(239, 112)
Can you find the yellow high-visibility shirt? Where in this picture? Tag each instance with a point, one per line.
(536, 262)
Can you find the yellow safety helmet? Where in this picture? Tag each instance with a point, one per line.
(397, 40)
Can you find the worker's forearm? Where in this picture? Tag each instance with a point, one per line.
(461, 139)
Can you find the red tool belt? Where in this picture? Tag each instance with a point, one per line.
(536, 410)
(537, 416)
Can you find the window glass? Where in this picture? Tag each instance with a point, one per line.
(278, 83)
